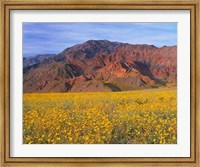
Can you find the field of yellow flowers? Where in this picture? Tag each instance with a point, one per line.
(133, 117)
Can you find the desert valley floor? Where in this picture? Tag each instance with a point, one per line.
(129, 117)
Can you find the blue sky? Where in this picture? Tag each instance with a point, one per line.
(52, 38)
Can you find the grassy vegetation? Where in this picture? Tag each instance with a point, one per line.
(135, 117)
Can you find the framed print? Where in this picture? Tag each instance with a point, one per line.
(99, 83)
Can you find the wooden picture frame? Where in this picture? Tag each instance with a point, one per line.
(7, 5)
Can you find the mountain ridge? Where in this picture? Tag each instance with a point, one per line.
(101, 65)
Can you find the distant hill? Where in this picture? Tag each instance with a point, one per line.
(32, 60)
(101, 65)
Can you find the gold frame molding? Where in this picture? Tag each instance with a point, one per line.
(7, 5)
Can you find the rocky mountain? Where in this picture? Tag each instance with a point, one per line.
(101, 65)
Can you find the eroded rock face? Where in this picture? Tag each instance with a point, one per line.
(103, 66)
